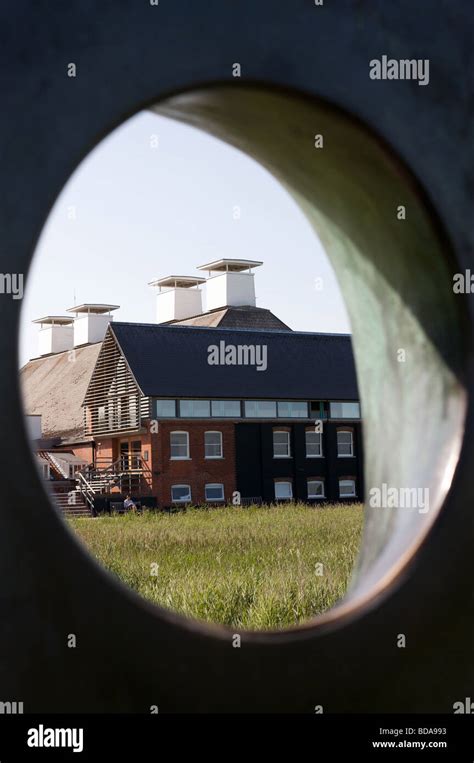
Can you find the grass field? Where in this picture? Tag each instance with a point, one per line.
(254, 568)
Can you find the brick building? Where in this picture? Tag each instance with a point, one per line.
(226, 405)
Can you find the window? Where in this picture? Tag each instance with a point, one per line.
(315, 488)
(195, 408)
(165, 409)
(347, 488)
(260, 409)
(283, 491)
(317, 409)
(223, 408)
(345, 445)
(292, 410)
(314, 444)
(281, 445)
(213, 444)
(214, 492)
(179, 445)
(101, 413)
(344, 410)
(180, 493)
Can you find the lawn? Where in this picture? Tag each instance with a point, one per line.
(254, 568)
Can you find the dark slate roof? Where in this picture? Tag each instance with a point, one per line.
(240, 317)
(172, 361)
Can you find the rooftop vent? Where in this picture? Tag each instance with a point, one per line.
(230, 283)
(178, 297)
(56, 334)
(90, 322)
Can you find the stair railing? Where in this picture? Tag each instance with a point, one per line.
(86, 490)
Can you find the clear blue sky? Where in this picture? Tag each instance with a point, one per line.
(144, 212)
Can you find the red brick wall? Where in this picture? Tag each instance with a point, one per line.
(106, 451)
(84, 451)
(164, 472)
(198, 470)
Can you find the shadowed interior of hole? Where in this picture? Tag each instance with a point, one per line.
(396, 278)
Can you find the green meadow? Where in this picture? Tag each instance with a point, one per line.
(253, 567)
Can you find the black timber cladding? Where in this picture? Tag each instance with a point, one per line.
(257, 469)
(172, 361)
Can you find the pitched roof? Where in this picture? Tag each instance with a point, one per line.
(54, 386)
(243, 317)
(172, 361)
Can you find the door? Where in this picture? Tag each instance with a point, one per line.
(130, 464)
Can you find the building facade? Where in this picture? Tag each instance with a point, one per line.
(224, 406)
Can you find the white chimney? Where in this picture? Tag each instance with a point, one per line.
(90, 322)
(178, 297)
(230, 282)
(56, 334)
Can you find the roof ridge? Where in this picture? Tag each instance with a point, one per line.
(184, 327)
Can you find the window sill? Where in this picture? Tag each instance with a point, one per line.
(213, 458)
(180, 458)
(321, 456)
(345, 455)
(283, 457)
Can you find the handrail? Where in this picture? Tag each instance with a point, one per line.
(88, 486)
(86, 491)
(123, 469)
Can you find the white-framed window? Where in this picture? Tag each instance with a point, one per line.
(213, 445)
(315, 488)
(314, 444)
(283, 490)
(179, 445)
(344, 410)
(214, 491)
(347, 488)
(345, 443)
(181, 493)
(101, 413)
(281, 444)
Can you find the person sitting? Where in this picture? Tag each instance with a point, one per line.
(128, 504)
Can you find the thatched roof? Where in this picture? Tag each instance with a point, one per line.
(54, 386)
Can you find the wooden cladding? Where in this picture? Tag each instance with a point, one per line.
(113, 401)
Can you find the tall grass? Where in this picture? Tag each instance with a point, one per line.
(254, 568)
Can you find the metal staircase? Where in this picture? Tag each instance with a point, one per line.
(127, 475)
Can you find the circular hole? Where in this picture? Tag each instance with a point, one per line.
(394, 268)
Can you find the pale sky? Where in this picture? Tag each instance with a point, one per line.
(143, 212)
